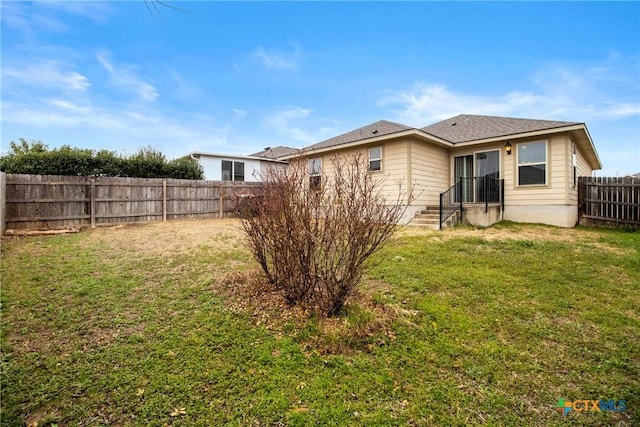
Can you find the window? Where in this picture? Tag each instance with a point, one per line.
(227, 170)
(375, 159)
(232, 171)
(532, 163)
(238, 171)
(315, 172)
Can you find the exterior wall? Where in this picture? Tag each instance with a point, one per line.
(265, 167)
(213, 168)
(430, 171)
(554, 192)
(421, 169)
(394, 170)
(394, 166)
(583, 169)
(558, 215)
(554, 203)
(429, 168)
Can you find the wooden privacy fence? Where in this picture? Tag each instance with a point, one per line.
(609, 201)
(45, 202)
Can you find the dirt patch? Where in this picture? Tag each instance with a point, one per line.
(516, 232)
(165, 238)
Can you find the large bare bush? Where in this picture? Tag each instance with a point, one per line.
(312, 240)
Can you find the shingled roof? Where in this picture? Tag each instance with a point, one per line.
(275, 153)
(465, 127)
(379, 128)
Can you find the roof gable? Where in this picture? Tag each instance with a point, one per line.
(373, 130)
(465, 127)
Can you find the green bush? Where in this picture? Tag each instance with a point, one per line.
(34, 157)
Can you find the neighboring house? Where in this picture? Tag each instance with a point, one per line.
(494, 167)
(225, 167)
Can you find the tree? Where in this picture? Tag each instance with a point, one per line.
(312, 241)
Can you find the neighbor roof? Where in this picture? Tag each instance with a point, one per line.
(275, 152)
(465, 127)
(379, 128)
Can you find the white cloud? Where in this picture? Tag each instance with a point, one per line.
(96, 11)
(30, 18)
(278, 60)
(124, 76)
(238, 114)
(294, 122)
(182, 88)
(282, 122)
(559, 92)
(48, 74)
(65, 105)
(129, 127)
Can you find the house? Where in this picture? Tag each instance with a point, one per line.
(480, 169)
(225, 167)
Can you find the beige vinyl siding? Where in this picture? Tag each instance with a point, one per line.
(583, 169)
(394, 165)
(572, 190)
(555, 189)
(429, 173)
(394, 169)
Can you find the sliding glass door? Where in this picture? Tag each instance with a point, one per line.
(470, 169)
(487, 165)
(463, 170)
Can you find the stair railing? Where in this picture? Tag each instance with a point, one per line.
(450, 202)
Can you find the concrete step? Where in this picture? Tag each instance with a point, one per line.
(425, 222)
(434, 216)
(427, 226)
(430, 218)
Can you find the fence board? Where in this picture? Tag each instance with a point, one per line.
(609, 201)
(42, 202)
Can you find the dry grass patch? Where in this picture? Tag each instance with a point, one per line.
(360, 326)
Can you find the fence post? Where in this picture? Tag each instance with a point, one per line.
(221, 202)
(3, 202)
(164, 200)
(93, 202)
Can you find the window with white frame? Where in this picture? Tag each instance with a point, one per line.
(232, 171)
(315, 172)
(375, 159)
(532, 163)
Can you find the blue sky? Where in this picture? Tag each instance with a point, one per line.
(235, 77)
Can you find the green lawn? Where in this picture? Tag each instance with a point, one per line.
(161, 325)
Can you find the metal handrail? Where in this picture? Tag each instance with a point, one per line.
(472, 190)
(448, 203)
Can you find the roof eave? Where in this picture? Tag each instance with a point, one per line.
(382, 138)
(587, 142)
(235, 156)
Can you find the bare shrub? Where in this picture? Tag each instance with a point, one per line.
(312, 238)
